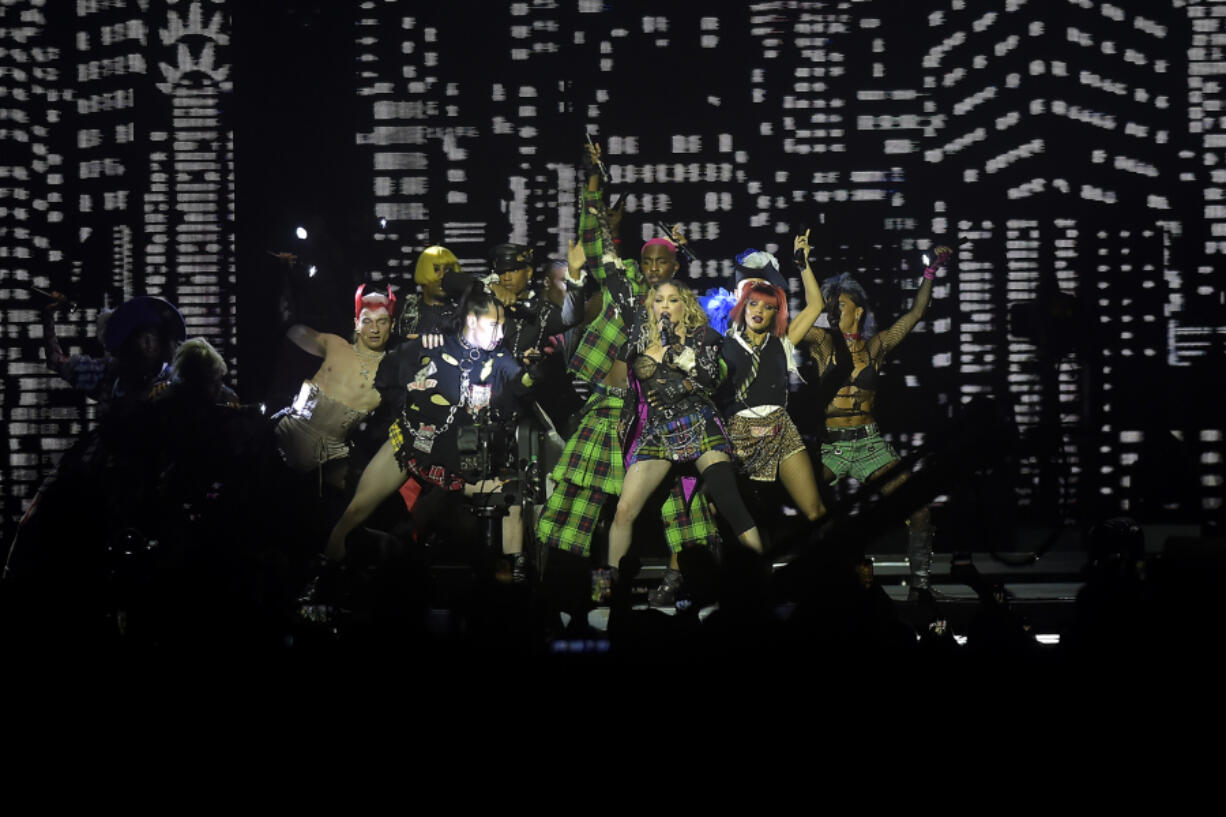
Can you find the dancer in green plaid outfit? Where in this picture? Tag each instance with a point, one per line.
(592, 465)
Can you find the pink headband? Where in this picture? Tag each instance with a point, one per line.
(661, 241)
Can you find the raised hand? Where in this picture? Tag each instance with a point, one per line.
(800, 249)
(591, 158)
(942, 254)
(58, 300)
(676, 236)
(575, 258)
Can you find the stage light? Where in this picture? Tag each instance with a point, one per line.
(311, 272)
(927, 263)
(301, 233)
(383, 224)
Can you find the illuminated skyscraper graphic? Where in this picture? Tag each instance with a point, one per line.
(190, 204)
(1063, 125)
(128, 189)
(33, 101)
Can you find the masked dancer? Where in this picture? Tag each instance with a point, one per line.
(446, 389)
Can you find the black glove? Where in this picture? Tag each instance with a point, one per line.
(534, 365)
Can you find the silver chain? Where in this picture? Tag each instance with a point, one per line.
(472, 356)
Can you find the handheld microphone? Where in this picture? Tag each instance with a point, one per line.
(666, 330)
(801, 257)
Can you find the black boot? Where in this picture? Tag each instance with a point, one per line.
(665, 596)
(919, 556)
(319, 601)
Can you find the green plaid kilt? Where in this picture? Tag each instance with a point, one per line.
(593, 454)
(591, 470)
(688, 524)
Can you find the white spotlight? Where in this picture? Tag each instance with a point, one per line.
(301, 233)
(311, 272)
(383, 224)
(927, 263)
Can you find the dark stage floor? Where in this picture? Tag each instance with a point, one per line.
(1041, 585)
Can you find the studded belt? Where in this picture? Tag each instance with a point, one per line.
(843, 435)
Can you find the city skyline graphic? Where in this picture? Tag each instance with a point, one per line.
(1071, 151)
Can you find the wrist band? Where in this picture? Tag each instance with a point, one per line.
(930, 273)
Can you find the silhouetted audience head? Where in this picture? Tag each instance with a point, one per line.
(198, 370)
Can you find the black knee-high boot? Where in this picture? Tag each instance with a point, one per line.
(919, 556)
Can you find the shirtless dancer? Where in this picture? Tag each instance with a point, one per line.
(311, 432)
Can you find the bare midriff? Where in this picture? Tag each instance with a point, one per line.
(852, 406)
(618, 376)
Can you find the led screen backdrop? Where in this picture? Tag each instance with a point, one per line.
(1069, 149)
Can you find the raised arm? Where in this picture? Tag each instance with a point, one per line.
(308, 340)
(51, 344)
(883, 342)
(821, 346)
(571, 303)
(799, 328)
(597, 226)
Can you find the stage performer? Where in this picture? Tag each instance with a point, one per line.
(531, 317)
(759, 351)
(432, 309)
(312, 432)
(446, 389)
(852, 442)
(674, 360)
(140, 338)
(592, 465)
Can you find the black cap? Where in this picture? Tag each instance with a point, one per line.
(143, 312)
(767, 271)
(510, 256)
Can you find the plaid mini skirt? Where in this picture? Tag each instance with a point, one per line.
(684, 439)
(407, 457)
